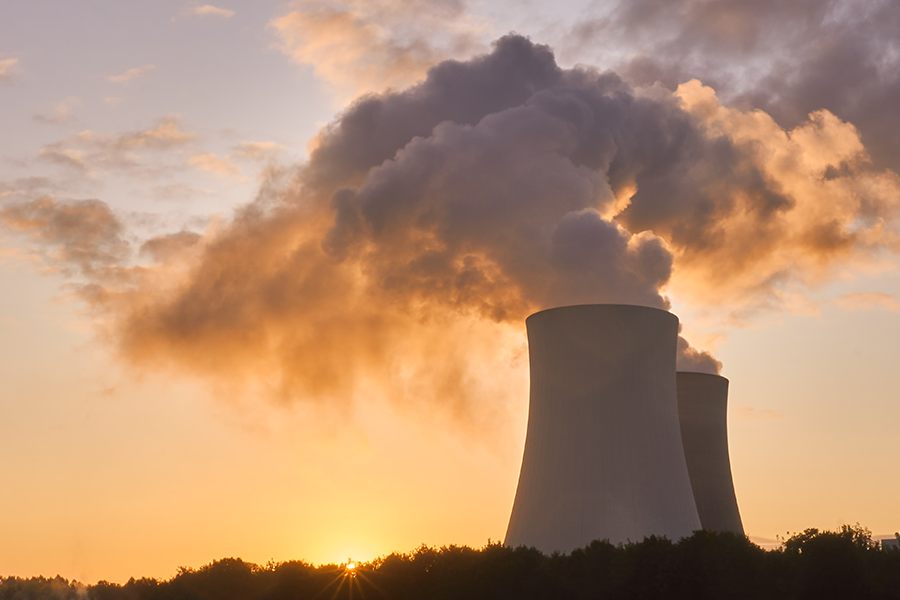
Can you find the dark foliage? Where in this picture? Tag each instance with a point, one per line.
(814, 564)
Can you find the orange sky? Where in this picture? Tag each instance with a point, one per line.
(237, 322)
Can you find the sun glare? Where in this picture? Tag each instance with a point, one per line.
(350, 569)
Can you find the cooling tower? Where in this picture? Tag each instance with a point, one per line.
(702, 403)
(603, 456)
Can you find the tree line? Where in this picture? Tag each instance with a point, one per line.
(845, 564)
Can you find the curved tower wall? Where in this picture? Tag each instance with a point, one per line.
(702, 404)
(603, 457)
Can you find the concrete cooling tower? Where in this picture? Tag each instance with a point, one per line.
(702, 403)
(603, 455)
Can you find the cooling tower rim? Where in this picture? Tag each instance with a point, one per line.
(701, 373)
(628, 307)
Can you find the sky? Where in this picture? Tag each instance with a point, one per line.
(265, 265)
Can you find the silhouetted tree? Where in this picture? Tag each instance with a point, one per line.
(843, 564)
(40, 588)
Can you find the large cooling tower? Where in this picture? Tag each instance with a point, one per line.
(603, 456)
(702, 403)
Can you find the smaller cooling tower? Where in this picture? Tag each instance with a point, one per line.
(603, 456)
(702, 403)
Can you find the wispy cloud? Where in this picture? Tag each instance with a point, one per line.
(165, 135)
(207, 10)
(258, 151)
(220, 166)
(12, 254)
(62, 113)
(26, 188)
(130, 74)
(8, 68)
(59, 155)
(177, 192)
(88, 150)
(78, 237)
(868, 301)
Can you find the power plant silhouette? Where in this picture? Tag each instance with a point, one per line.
(618, 445)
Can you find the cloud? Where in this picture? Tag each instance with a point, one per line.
(166, 134)
(62, 113)
(360, 47)
(773, 206)
(868, 301)
(64, 157)
(26, 188)
(207, 10)
(788, 59)
(80, 238)
(220, 166)
(10, 253)
(130, 74)
(165, 247)
(8, 68)
(177, 191)
(258, 151)
(402, 258)
(88, 151)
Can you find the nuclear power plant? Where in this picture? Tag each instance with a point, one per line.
(617, 446)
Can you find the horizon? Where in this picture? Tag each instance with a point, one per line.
(355, 562)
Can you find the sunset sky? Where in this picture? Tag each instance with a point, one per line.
(265, 265)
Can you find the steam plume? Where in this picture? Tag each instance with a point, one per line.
(429, 222)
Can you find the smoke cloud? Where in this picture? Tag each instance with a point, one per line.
(788, 59)
(403, 257)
